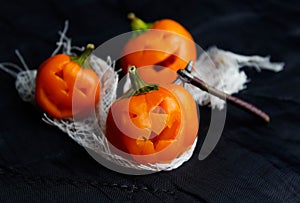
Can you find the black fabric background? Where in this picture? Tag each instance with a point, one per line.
(252, 162)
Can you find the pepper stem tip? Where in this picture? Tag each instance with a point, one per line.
(131, 16)
(90, 46)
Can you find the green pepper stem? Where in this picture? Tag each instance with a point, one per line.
(87, 52)
(139, 86)
(135, 78)
(137, 23)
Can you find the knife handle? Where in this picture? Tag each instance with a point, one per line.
(229, 98)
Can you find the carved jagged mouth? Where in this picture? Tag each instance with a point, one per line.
(159, 128)
(166, 62)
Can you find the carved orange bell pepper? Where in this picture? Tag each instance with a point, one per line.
(159, 122)
(162, 48)
(61, 80)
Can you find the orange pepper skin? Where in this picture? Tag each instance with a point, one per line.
(167, 44)
(159, 125)
(60, 82)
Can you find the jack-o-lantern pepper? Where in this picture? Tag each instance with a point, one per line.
(64, 88)
(158, 122)
(162, 48)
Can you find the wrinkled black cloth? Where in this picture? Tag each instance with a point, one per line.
(252, 162)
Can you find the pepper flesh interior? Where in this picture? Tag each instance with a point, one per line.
(160, 116)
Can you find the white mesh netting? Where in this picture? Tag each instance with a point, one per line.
(224, 74)
(222, 70)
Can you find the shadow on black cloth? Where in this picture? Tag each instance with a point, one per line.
(251, 163)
